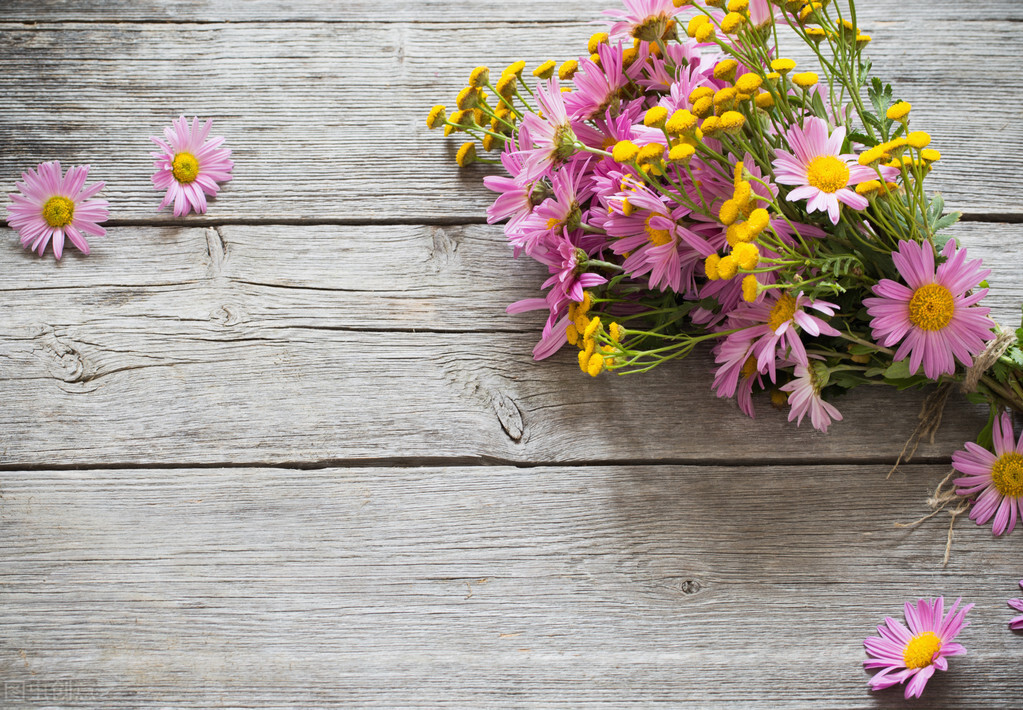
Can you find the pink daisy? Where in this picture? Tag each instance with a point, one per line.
(819, 168)
(188, 166)
(1016, 624)
(51, 206)
(914, 654)
(937, 313)
(552, 137)
(805, 398)
(997, 477)
(738, 372)
(597, 86)
(776, 323)
(641, 19)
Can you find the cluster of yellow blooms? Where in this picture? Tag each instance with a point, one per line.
(745, 221)
(586, 333)
(492, 124)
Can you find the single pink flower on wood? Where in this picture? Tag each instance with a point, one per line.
(913, 654)
(50, 206)
(188, 166)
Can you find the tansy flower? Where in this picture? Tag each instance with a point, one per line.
(188, 166)
(1016, 624)
(805, 398)
(51, 206)
(821, 172)
(914, 654)
(936, 313)
(997, 477)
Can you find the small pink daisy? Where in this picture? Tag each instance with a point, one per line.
(188, 166)
(997, 477)
(819, 168)
(775, 324)
(1016, 623)
(805, 398)
(914, 654)
(52, 206)
(552, 137)
(641, 19)
(937, 313)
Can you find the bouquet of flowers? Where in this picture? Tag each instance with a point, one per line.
(684, 182)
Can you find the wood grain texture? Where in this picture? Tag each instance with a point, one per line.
(464, 12)
(602, 587)
(326, 128)
(202, 346)
(259, 459)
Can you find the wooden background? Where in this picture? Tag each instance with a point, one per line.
(292, 453)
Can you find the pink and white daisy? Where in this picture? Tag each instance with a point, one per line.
(738, 372)
(552, 137)
(1016, 623)
(997, 477)
(52, 206)
(597, 86)
(188, 166)
(937, 313)
(821, 171)
(805, 398)
(641, 19)
(775, 325)
(914, 654)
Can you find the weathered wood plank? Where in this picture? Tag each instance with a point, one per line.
(491, 586)
(355, 346)
(468, 12)
(326, 128)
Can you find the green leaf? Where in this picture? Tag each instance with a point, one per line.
(898, 370)
(946, 221)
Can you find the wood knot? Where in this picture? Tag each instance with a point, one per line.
(689, 586)
(64, 361)
(228, 315)
(509, 415)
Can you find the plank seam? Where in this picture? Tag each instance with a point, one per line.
(484, 462)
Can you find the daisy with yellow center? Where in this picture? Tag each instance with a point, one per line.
(995, 479)
(775, 326)
(934, 314)
(190, 165)
(911, 653)
(51, 206)
(820, 171)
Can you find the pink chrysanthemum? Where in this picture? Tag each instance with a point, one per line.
(188, 166)
(641, 19)
(937, 313)
(914, 654)
(1016, 623)
(805, 398)
(552, 137)
(997, 477)
(52, 206)
(775, 324)
(819, 168)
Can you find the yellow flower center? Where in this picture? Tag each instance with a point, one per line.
(782, 312)
(58, 211)
(657, 237)
(921, 649)
(1007, 474)
(827, 173)
(749, 368)
(186, 167)
(931, 307)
